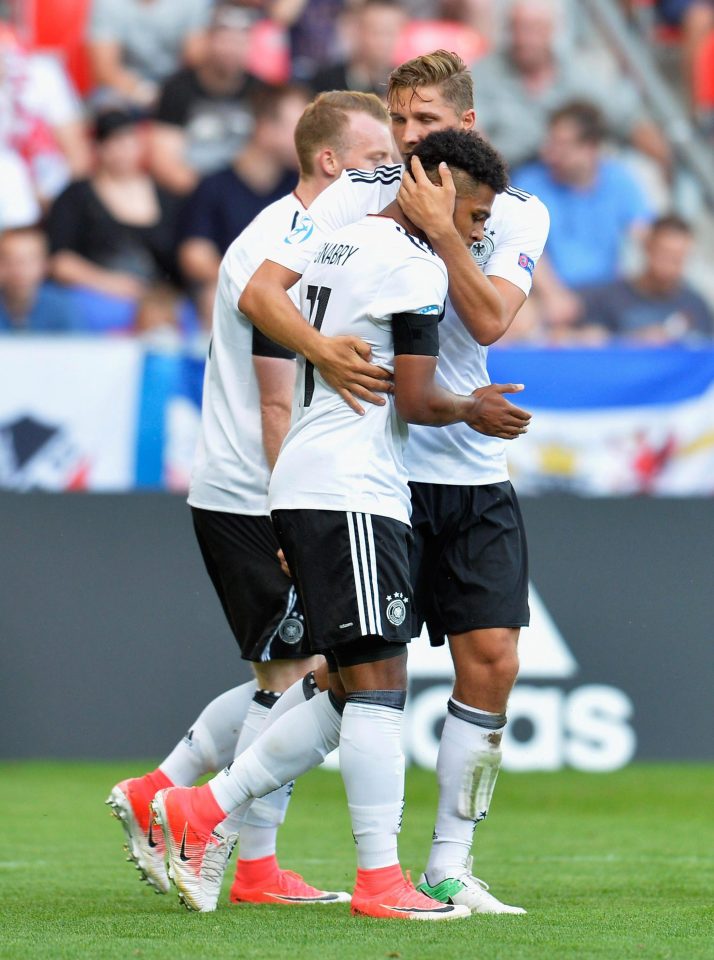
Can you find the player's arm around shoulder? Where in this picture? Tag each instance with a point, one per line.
(264, 299)
(343, 362)
(266, 303)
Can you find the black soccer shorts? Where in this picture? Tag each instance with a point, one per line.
(352, 575)
(469, 562)
(260, 602)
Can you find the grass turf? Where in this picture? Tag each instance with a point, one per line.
(609, 866)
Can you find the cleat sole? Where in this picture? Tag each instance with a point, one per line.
(116, 801)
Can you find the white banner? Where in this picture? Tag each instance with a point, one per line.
(660, 449)
(68, 413)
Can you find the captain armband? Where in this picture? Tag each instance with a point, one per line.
(265, 347)
(416, 334)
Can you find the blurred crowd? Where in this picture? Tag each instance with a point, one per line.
(136, 147)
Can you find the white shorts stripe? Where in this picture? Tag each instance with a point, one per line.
(375, 587)
(366, 585)
(355, 568)
(289, 604)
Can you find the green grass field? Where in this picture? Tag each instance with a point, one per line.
(609, 866)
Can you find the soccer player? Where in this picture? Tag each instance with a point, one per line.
(469, 562)
(246, 406)
(340, 504)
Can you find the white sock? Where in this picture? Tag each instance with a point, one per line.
(467, 766)
(210, 742)
(372, 766)
(302, 690)
(258, 825)
(260, 822)
(298, 741)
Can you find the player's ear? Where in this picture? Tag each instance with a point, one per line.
(468, 119)
(328, 162)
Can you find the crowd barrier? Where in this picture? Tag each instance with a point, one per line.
(112, 639)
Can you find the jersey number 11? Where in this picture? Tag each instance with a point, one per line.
(318, 298)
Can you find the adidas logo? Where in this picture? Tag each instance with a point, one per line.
(550, 726)
(551, 723)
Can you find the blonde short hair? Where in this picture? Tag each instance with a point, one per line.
(441, 69)
(325, 121)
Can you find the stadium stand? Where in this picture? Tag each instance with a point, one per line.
(662, 56)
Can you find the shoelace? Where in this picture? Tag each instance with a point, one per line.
(409, 886)
(284, 875)
(215, 859)
(468, 878)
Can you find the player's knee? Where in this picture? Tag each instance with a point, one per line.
(491, 652)
(336, 687)
(278, 675)
(504, 667)
(494, 673)
(373, 663)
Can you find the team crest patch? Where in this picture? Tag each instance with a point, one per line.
(291, 631)
(302, 230)
(397, 608)
(481, 250)
(525, 261)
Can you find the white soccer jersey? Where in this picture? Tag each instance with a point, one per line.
(230, 472)
(514, 237)
(333, 459)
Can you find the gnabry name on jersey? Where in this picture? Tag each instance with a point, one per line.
(336, 254)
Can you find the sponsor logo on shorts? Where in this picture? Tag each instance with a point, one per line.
(397, 609)
(433, 310)
(291, 631)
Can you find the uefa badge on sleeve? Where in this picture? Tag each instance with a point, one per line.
(301, 232)
(525, 261)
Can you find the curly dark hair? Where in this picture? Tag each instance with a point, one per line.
(466, 151)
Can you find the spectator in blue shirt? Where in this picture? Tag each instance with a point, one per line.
(656, 306)
(225, 202)
(595, 203)
(28, 303)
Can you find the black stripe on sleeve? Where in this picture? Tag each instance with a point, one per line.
(265, 347)
(388, 173)
(416, 334)
(518, 194)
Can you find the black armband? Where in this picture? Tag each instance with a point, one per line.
(265, 347)
(416, 333)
